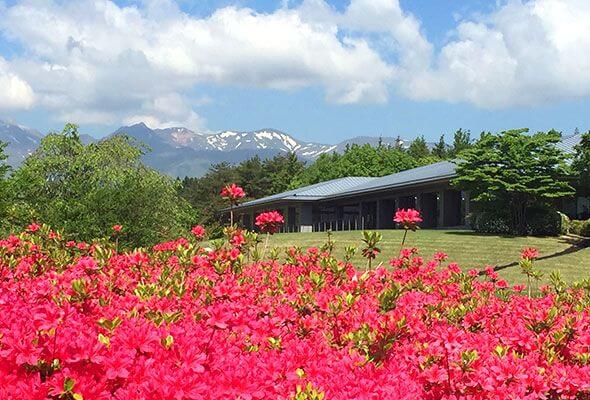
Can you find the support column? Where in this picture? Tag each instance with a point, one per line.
(466, 199)
(306, 218)
(441, 208)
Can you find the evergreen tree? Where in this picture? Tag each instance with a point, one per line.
(440, 149)
(418, 148)
(461, 142)
(281, 171)
(513, 171)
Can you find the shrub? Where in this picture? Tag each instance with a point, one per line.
(177, 321)
(585, 228)
(576, 226)
(564, 223)
(544, 221)
(540, 222)
(489, 222)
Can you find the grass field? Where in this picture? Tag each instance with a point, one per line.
(468, 249)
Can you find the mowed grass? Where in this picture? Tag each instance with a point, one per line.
(470, 250)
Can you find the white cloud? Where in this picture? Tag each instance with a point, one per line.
(98, 62)
(109, 62)
(15, 93)
(521, 54)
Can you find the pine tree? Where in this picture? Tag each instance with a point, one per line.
(461, 142)
(440, 149)
(418, 148)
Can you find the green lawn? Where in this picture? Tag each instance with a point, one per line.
(468, 249)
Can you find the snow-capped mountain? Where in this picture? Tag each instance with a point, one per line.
(21, 141)
(227, 141)
(179, 151)
(265, 139)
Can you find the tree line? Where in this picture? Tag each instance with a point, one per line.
(83, 190)
(261, 178)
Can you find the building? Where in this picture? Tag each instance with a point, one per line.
(353, 203)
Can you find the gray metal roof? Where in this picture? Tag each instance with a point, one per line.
(317, 191)
(428, 173)
(349, 186)
(567, 143)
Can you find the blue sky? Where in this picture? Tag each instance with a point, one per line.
(320, 70)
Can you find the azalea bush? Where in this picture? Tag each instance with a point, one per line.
(183, 321)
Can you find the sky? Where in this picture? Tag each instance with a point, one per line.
(320, 70)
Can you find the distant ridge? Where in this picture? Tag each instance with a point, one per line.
(179, 151)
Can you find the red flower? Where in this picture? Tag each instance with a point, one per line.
(409, 218)
(33, 227)
(238, 239)
(529, 253)
(198, 231)
(440, 256)
(117, 228)
(269, 222)
(233, 193)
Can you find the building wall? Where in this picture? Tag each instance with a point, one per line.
(440, 204)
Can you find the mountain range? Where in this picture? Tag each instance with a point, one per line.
(182, 152)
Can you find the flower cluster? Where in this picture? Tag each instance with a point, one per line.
(529, 253)
(408, 218)
(198, 232)
(269, 222)
(179, 321)
(233, 193)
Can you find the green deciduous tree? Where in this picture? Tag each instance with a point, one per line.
(85, 190)
(514, 171)
(356, 160)
(581, 163)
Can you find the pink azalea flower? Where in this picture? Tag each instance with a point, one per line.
(269, 222)
(529, 253)
(408, 218)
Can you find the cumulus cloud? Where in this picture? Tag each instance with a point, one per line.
(524, 53)
(15, 93)
(95, 58)
(97, 62)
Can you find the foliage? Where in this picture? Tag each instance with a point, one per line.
(371, 249)
(356, 160)
(461, 142)
(418, 148)
(581, 162)
(85, 190)
(4, 191)
(513, 171)
(489, 222)
(440, 148)
(581, 228)
(564, 223)
(179, 321)
(258, 179)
